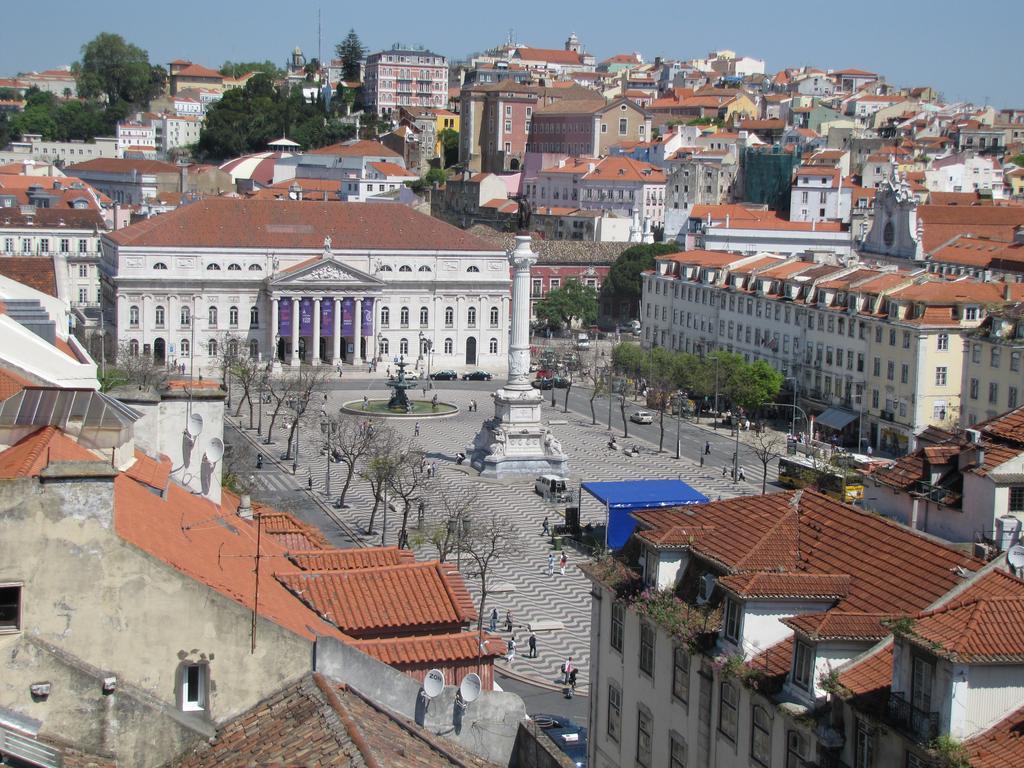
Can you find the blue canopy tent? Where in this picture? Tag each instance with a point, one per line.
(621, 497)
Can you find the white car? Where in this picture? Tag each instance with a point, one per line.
(411, 375)
(642, 417)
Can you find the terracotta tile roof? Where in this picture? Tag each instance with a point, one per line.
(943, 223)
(122, 165)
(239, 223)
(774, 663)
(702, 258)
(288, 531)
(788, 269)
(36, 272)
(149, 471)
(33, 453)
(779, 223)
(395, 599)
(1009, 426)
(198, 70)
(392, 169)
(10, 382)
(948, 293)
(840, 625)
(549, 55)
(868, 679)
(778, 585)
(355, 148)
(571, 107)
(1001, 745)
(213, 546)
(346, 559)
(807, 532)
(430, 649)
(976, 631)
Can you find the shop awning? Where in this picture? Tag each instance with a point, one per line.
(835, 418)
(622, 497)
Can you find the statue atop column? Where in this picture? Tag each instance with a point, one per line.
(515, 442)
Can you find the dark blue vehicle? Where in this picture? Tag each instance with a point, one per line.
(568, 737)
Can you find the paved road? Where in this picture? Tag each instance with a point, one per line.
(525, 588)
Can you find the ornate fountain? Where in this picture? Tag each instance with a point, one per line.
(399, 402)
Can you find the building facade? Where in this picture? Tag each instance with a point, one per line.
(306, 282)
(405, 78)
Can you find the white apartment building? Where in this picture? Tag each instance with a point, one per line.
(966, 173)
(820, 194)
(719, 641)
(993, 380)
(32, 146)
(378, 179)
(301, 281)
(616, 184)
(179, 131)
(403, 77)
(139, 135)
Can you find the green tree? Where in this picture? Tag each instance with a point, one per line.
(757, 383)
(115, 68)
(449, 139)
(561, 306)
(1018, 160)
(239, 68)
(623, 284)
(350, 51)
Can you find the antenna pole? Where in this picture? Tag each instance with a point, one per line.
(256, 593)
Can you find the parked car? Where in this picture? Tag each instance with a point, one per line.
(568, 737)
(542, 383)
(641, 417)
(477, 376)
(583, 341)
(551, 488)
(560, 382)
(412, 375)
(444, 375)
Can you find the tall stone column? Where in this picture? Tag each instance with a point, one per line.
(357, 331)
(336, 332)
(522, 259)
(314, 358)
(295, 332)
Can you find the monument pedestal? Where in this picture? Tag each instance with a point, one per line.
(515, 442)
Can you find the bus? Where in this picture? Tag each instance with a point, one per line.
(801, 471)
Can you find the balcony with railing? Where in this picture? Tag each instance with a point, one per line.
(917, 723)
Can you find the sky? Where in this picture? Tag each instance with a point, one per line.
(965, 55)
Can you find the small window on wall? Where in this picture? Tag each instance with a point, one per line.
(10, 608)
(473, 269)
(195, 684)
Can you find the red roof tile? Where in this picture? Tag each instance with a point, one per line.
(1001, 745)
(11, 383)
(345, 559)
(430, 649)
(152, 472)
(34, 271)
(978, 631)
(33, 453)
(123, 165)
(840, 625)
(780, 585)
(356, 148)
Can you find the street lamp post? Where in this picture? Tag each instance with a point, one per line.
(679, 419)
(298, 426)
(328, 429)
(736, 454)
(259, 422)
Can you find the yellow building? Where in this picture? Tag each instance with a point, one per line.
(446, 121)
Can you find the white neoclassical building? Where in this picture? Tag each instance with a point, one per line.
(306, 282)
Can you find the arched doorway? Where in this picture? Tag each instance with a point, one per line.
(471, 350)
(159, 351)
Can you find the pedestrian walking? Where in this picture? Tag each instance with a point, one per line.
(416, 429)
(511, 655)
(562, 562)
(743, 475)
(494, 619)
(725, 470)
(433, 469)
(551, 563)
(572, 681)
(545, 529)
(508, 621)
(707, 448)
(533, 645)
(567, 669)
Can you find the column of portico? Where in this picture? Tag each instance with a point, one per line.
(357, 332)
(295, 332)
(275, 329)
(336, 332)
(314, 359)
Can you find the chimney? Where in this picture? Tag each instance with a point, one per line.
(1007, 291)
(1018, 234)
(245, 507)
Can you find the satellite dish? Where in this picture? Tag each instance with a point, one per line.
(195, 425)
(1015, 556)
(215, 450)
(469, 690)
(433, 683)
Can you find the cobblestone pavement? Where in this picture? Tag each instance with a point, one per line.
(523, 587)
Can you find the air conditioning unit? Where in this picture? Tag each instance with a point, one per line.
(973, 435)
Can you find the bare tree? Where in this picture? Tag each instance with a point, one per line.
(491, 540)
(767, 446)
(280, 390)
(308, 383)
(408, 480)
(241, 369)
(382, 462)
(451, 524)
(139, 369)
(354, 440)
(596, 376)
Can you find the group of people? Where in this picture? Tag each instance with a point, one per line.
(512, 643)
(563, 561)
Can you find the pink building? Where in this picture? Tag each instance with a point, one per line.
(405, 78)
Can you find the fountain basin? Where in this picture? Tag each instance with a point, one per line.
(421, 409)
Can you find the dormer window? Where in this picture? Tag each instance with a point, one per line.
(707, 586)
(732, 619)
(803, 666)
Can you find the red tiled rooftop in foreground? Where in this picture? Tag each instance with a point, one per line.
(34, 271)
(33, 453)
(10, 382)
(346, 559)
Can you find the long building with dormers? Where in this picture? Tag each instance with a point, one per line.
(305, 282)
(876, 353)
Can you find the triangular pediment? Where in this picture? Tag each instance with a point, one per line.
(325, 272)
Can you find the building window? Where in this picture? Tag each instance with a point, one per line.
(644, 728)
(211, 348)
(1015, 361)
(761, 737)
(796, 749)
(186, 317)
(255, 268)
(731, 624)
(404, 267)
(403, 317)
(194, 685)
(159, 317)
(1016, 498)
(623, 126)
(494, 317)
(647, 648)
(864, 746)
(233, 316)
(254, 317)
(492, 346)
(973, 389)
(424, 268)
(472, 269)
(614, 713)
(943, 342)
(133, 316)
(403, 346)
(681, 674)
(384, 347)
(971, 313)
(385, 317)
(424, 316)
(471, 317)
(213, 267)
(993, 392)
(449, 317)
(1011, 398)
(727, 711)
(996, 354)
(976, 353)
(159, 265)
(904, 373)
(803, 665)
(10, 608)
(618, 618)
(212, 317)
(940, 376)
(676, 752)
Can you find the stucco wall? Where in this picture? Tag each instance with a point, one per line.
(112, 607)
